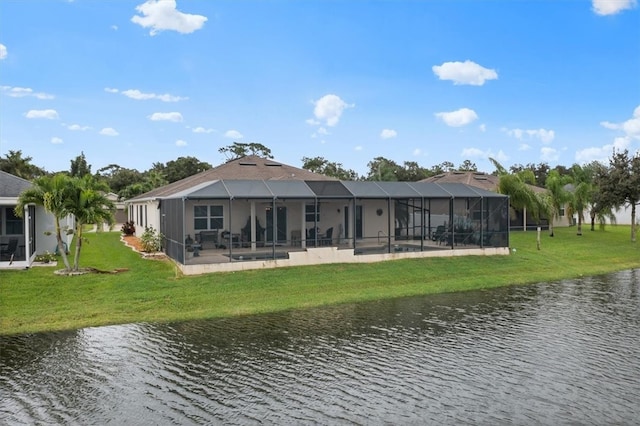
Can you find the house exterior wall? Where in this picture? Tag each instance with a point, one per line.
(144, 214)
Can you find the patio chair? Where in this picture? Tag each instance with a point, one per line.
(327, 240)
(8, 252)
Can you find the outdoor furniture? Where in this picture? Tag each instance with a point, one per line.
(208, 239)
(6, 253)
(296, 236)
(327, 238)
(231, 240)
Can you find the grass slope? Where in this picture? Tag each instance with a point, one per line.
(153, 291)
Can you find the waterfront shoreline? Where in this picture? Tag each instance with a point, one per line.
(153, 291)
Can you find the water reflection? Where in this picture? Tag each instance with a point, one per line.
(550, 353)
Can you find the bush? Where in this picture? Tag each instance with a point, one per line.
(128, 228)
(151, 240)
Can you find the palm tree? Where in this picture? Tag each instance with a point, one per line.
(581, 178)
(558, 196)
(51, 192)
(521, 196)
(88, 203)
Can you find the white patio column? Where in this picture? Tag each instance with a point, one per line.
(253, 225)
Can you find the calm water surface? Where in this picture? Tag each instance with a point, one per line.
(552, 353)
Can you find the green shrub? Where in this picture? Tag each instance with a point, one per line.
(151, 240)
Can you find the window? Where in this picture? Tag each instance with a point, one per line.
(312, 212)
(561, 212)
(14, 224)
(208, 217)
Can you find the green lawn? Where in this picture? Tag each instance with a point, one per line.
(37, 300)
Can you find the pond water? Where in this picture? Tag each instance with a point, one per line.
(552, 353)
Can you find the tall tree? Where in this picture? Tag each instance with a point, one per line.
(558, 196)
(622, 183)
(240, 149)
(328, 168)
(521, 196)
(383, 169)
(468, 166)
(184, 167)
(87, 202)
(411, 171)
(17, 165)
(601, 204)
(581, 188)
(51, 192)
(79, 166)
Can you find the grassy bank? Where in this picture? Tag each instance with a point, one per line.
(37, 300)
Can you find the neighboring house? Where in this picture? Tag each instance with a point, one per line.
(519, 219)
(120, 215)
(257, 213)
(21, 238)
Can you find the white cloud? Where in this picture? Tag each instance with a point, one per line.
(602, 153)
(473, 153)
(458, 118)
(50, 114)
(233, 134)
(160, 15)
(77, 127)
(388, 133)
(549, 154)
(466, 72)
(166, 116)
(357, 148)
(631, 130)
(56, 140)
(631, 127)
(482, 128)
(140, 96)
(611, 7)
(21, 92)
(312, 122)
(114, 27)
(202, 130)
(180, 142)
(3, 51)
(110, 90)
(109, 131)
(469, 153)
(545, 136)
(524, 147)
(329, 109)
(417, 152)
(323, 131)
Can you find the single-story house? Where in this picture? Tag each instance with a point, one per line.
(518, 219)
(257, 213)
(21, 238)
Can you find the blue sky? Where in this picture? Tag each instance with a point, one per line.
(133, 83)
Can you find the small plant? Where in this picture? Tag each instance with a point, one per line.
(46, 257)
(151, 240)
(128, 228)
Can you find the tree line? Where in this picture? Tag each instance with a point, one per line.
(596, 187)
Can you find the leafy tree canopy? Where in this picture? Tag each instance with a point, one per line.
(79, 166)
(239, 150)
(325, 167)
(17, 165)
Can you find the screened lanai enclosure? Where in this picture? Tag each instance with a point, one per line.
(227, 221)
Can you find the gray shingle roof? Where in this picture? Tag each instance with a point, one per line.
(12, 186)
(246, 168)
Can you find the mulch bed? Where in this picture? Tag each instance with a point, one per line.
(135, 244)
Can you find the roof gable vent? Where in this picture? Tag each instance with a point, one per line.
(247, 163)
